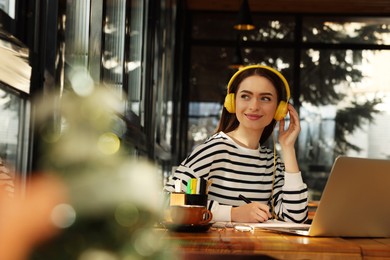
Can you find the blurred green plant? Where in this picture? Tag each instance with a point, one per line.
(115, 199)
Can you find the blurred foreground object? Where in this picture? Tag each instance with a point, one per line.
(115, 198)
(27, 222)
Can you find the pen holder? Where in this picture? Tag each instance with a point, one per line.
(196, 199)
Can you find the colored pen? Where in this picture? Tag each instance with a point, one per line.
(249, 201)
(198, 182)
(202, 186)
(244, 198)
(178, 185)
(193, 185)
(189, 184)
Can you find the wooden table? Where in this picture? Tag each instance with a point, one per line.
(227, 243)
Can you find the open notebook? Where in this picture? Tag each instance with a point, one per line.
(354, 203)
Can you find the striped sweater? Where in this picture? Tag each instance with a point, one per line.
(236, 170)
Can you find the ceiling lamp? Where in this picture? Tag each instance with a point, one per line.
(237, 61)
(244, 18)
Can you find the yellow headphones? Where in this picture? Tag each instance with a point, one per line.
(281, 110)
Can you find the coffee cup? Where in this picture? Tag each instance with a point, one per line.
(190, 215)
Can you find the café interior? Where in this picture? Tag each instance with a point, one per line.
(91, 87)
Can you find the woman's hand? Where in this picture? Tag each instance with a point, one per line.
(287, 137)
(252, 212)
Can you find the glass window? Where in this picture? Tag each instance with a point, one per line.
(114, 42)
(278, 58)
(209, 73)
(212, 27)
(343, 111)
(107, 37)
(369, 30)
(164, 71)
(9, 116)
(14, 113)
(134, 38)
(8, 6)
(203, 119)
(15, 74)
(219, 26)
(15, 70)
(272, 28)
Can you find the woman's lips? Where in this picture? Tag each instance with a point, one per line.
(253, 117)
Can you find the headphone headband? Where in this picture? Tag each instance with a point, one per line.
(281, 110)
(286, 86)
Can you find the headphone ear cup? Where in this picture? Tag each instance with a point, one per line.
(229, 103)
(281, 111)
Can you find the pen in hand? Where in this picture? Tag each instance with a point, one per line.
(244, 198)
(249, 201)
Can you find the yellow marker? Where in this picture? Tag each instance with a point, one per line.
(193, 185)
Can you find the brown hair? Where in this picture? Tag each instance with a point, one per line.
(229, 122)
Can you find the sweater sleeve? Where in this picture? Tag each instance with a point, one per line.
(293, 180)
(294, 201)
(221, 213)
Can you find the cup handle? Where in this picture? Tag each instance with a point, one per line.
(209, 216)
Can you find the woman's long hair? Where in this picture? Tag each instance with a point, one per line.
(229, 122)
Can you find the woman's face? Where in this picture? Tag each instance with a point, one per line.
(256, 103)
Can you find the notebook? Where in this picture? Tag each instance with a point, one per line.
(355, 201)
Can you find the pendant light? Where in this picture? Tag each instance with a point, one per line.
(237, 61)
(244, 19)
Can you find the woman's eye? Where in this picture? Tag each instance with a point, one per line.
(265, 99)
(244, 97)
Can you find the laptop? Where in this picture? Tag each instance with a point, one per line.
(355, 201)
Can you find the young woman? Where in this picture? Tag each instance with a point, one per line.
(236, 160)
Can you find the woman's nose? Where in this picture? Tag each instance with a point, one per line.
(254, 104)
